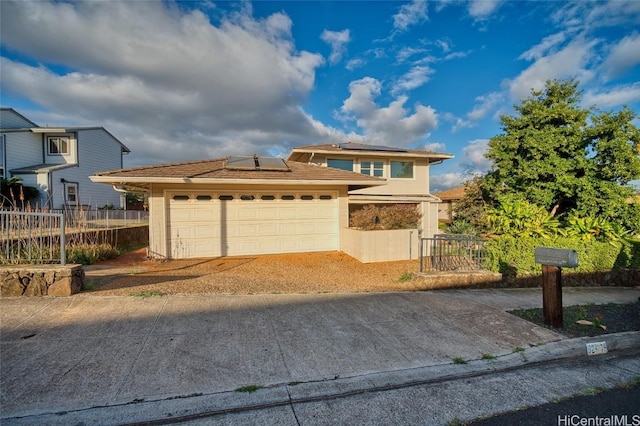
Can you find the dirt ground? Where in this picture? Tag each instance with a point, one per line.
(321, 272)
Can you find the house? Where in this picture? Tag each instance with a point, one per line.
(251, 205)
(406, 172)
(59, 160)
(449, 199)
(242, 205)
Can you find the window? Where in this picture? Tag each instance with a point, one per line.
(58, 145)
(247, 197)
(326, 197)
(372, 168)
(268, 197)
(225, 197)
(402, 169)
(287, 197)
(306, 197)
(204, 197)
(180, 197)
(341, 164)
(71, 193)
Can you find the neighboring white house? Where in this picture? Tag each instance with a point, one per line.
(406, 172)
(242, 205)
(59, 160)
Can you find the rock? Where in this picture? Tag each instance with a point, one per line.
(11, 286)
(37, 286)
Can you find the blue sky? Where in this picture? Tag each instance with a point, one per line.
(178, 81)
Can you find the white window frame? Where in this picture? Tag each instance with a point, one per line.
(64, 141)
(413, 169)
(67, 200)
(372, 168)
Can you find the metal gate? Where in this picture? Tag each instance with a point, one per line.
(451, 252)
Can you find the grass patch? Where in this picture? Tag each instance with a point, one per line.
(603, 319)
(518, 349)
(88, 285)
(249, 388)
(148, 293)
(488, 357)
(405, 277)
(459, 361)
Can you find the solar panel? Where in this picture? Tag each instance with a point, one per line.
(272, 163)
(256, 162)
(363, 147)
(241, 163)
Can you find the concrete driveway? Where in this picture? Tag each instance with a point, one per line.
(69, 355)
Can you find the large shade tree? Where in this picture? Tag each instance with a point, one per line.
(566, 158)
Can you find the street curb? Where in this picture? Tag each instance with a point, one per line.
(200, 406)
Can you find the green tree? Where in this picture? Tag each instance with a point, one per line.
(565, 158)
(472, 207)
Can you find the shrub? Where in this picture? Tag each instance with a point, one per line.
(88, 254)
(400, 216)
(394, 216)
(515, 255)
(462, 227)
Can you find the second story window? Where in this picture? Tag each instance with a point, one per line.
(372, 168)
(58, 145)
(402, 169)
(341, 164)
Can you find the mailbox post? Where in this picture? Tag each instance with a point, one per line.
(552, 261)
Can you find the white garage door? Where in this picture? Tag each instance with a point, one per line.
(208, 224)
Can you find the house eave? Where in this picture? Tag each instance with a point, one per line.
(115, 180)
(297, 153)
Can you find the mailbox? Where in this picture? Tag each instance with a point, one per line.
(556, 257)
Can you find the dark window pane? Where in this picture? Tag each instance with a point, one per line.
(341, 164)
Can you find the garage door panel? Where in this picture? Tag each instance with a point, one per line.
(197, 228)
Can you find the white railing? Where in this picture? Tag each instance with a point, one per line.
(27, 237)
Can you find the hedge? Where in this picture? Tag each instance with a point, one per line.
(515, 255)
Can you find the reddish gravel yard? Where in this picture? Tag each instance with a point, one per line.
(284, 273)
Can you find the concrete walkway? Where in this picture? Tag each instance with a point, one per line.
(115, 360)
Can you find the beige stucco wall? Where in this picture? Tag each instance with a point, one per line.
(380, 246)
(419, 185)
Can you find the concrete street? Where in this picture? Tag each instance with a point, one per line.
(377, 358)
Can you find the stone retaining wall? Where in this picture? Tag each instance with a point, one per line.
(486, 279)
(41, 280)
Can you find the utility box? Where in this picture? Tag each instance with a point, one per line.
(562, 258)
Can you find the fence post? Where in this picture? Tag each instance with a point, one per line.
(63, 242)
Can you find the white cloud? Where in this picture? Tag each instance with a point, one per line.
(623, 56)
(473, 156)
(545, 46)
(355, 63)
(416, 77)
(407, 52)
(156, 73)
(435, 146)
(484, 105)
(571, 61)
(482, 9)
(580, 15)
(441, 182)
(338, 41)
(392, 125)
(410, 14)
(618, 96)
